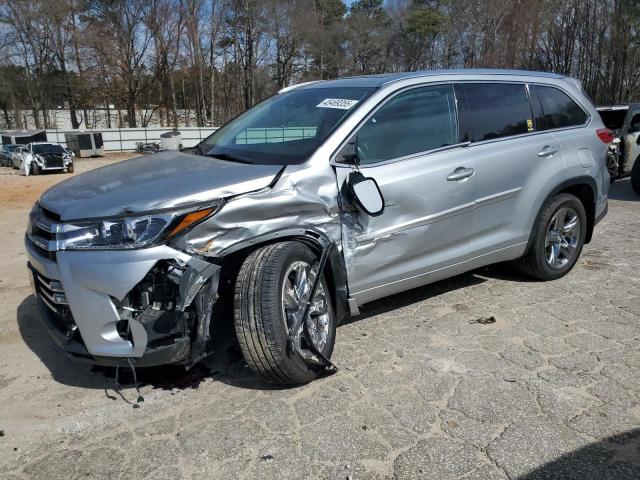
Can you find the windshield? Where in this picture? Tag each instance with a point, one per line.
(47, 148)
(286, 128)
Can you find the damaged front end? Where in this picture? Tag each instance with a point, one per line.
(152, 299)
(142, 306)
(173, 303)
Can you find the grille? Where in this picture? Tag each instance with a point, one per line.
(42, 250)
(53, 161)
(50, 215)
(41, 232)
(52, 294)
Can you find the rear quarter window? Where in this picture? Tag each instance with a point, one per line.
(493, 110)
(559, 110)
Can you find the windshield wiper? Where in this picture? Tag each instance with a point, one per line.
(228, 158)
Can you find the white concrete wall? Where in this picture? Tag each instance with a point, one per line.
(125, 139)
(97, 118)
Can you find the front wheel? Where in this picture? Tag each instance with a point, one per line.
(271, 292)
(558, 238)
(70, 168)
(35, 169)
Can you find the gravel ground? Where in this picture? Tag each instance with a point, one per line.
(550, 390)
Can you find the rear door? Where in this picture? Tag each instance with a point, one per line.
(514, 159)
(410, 146)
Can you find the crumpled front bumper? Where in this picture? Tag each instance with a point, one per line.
(77, 293)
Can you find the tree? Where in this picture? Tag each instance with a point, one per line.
(119, 37)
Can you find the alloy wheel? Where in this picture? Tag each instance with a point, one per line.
(296, 289)
(563, 235)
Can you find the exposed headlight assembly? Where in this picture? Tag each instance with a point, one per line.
(129, 232)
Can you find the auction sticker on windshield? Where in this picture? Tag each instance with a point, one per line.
(341, 103)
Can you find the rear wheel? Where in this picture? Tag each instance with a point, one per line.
(635, 176)
(271, 292)
(558, 238)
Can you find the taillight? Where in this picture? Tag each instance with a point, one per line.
(605, 135)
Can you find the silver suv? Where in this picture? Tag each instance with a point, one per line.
(380, 183)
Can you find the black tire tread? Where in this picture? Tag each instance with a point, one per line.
(258, 322)
(635, 176)
(529, 263)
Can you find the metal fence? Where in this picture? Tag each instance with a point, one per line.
(126, 139)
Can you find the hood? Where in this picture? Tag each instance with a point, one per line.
(153, 182)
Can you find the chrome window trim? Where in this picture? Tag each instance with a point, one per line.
(334, 162)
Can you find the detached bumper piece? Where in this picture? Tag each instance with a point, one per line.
(173, 303)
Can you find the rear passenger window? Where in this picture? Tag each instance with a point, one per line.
(558, 108)
(415, 121)
(493, 110)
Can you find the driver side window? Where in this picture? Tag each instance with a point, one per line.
(418, 120)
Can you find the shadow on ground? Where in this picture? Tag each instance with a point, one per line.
(225, 363)
(614, 458)
(621, 190)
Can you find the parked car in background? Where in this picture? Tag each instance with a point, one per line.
(6, 151)
(320, 199)
(624, 121)
(39, 157)
(17, 156)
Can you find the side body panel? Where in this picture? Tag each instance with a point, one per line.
(510, 175)
(427, 221)
(585, 155)
(511, 184)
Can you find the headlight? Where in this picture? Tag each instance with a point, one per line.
(130, 232)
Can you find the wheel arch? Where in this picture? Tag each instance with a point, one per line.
(585, 189)
(335, 270)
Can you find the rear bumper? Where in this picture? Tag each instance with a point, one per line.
(78, 295)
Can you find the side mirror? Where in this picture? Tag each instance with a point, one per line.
(367, 194)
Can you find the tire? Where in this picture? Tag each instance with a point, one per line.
(612, 166)
(70, 168)
(536, 262)
(35, 170)
(635, 176)
(259, 313)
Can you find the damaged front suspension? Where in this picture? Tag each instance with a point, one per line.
(301, 326)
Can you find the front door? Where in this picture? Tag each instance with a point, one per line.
(410, 147)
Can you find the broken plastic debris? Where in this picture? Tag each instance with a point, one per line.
(484, 320)
(267, 458)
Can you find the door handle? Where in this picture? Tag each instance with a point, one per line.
(547, 151)
(461, 173)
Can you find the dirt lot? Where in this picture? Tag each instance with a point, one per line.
(550, 390)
